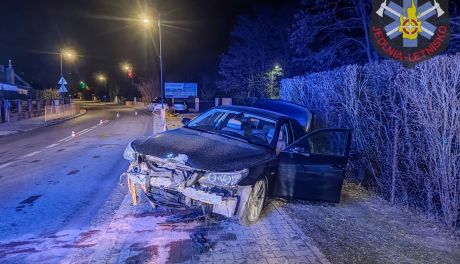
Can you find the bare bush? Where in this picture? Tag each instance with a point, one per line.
(49, 94)
(149, 90)
(405, 124)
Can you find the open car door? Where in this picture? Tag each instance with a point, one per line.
(313, 167)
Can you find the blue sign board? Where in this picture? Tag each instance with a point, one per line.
(180, 90)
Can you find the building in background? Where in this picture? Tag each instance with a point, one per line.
(13, 86)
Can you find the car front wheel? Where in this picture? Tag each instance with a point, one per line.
(255, 203)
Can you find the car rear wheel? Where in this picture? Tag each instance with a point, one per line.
(255, 203)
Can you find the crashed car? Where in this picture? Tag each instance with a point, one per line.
(231, 159)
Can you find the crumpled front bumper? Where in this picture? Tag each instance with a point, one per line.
(227, 203)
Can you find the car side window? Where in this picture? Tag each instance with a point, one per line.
(297, 130)
(328, 143)
(324, 143)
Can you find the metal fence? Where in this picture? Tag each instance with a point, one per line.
(53, 112)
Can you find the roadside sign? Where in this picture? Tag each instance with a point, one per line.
(62, 81)
(180, 90)
(63, 89)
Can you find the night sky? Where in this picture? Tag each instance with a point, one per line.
(106, 33)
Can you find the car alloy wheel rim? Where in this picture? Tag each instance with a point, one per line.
(256, 200)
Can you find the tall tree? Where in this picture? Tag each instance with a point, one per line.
(454, 44)
(258, 44)
(329, 34)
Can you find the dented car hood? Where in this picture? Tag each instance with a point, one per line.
(205, 151)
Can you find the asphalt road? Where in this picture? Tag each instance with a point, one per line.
(51, 181)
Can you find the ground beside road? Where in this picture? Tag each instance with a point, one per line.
(363, 228)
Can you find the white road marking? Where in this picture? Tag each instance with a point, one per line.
(84, 131)
(52, 145)
(64, 139)
(6, 164)
(31, 154)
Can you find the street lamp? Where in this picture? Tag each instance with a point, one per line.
(147, 22)
(273, 75)
(103, 79)
(69, 55)
(128, 68)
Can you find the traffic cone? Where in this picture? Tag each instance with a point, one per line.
(118, 115)
(73, 133)
(100, 122)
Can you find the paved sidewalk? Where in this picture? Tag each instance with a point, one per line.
(275, 238)
(11, 128)
(135, 236)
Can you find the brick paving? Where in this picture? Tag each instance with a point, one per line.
(275, 238)
(135, 236)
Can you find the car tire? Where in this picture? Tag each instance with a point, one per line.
(255, 203)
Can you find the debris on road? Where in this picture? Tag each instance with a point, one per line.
(183, 218)
(200, 242)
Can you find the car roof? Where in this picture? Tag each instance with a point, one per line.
(257, 111)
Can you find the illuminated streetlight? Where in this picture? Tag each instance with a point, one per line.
(126, 67)
(147, 22)
(103, 79)
(67, 54)
(273, 76)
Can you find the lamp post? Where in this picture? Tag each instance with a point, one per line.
(273, 75)
(147, 22)
(69, 55)
(103, 79)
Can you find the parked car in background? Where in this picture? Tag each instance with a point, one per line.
(180, 107)
(156, 105)
(231, 159)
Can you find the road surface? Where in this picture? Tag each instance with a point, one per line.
(61, 202)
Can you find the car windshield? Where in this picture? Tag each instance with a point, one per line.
(241, 125)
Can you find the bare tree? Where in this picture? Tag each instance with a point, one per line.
(330, 34)
(149, 90)
(49, 94)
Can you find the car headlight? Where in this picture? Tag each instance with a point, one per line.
(130, 154)
(223, 179)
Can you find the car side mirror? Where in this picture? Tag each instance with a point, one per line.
(185, 120)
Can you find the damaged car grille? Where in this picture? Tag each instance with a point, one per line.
(176, 176)
(172, 183)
